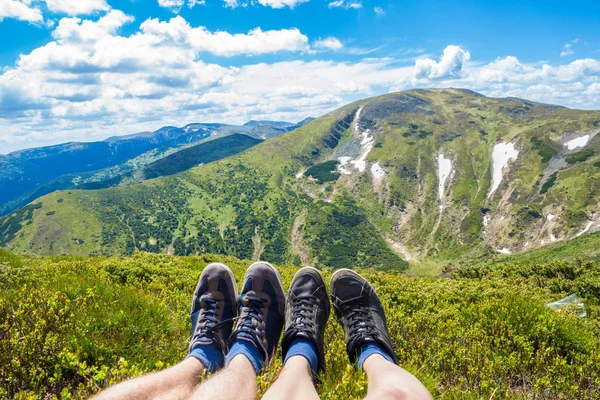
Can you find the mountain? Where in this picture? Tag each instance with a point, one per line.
(426, 176)
(28, 174)
(184, 159)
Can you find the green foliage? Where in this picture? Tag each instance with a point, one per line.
(544, 150)
(324, 172)
(342, 237)
(580, 156)
(549, 183)
(71, 327)
(10, 224)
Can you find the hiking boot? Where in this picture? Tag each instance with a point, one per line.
(359, 311)
(261, 310)
(213, 308)
(307, 312)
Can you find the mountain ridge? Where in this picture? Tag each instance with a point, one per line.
(25, 172)
(381, 202)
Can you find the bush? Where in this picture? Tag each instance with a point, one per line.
(324, 172)
(69, 328)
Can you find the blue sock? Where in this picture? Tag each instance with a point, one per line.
(241, 346)
(211, 357)
(370, 348)
(304, 348)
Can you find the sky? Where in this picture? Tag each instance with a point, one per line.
(84, 70)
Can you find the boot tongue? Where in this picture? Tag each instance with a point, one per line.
(350, 288)
(307, 284)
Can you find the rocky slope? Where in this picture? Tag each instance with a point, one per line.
(422, 175)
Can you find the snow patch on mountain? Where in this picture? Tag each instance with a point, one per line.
(342, 166)
(357, 160)
(577, 142)
(503, 152)
(377, 171)
(444, 172)
(587, 228)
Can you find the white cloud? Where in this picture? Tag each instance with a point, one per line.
(450, 64)
(178, 32)
(175, 5)
(90, 82)
(231, 3)
(20, 10)
(379, 11)
(77, 7)
(330, 43)
(347, 4)
(281, 3)
(568, 48)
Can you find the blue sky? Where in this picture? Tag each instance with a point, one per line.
(80, 70)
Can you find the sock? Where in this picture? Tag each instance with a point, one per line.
(211, 357)
(304, 348)
(241, 346)
(370, 348)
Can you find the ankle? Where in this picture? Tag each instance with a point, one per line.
(297, 365)
(249, 352)
(375, 353)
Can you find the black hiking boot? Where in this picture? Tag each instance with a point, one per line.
(359, 311)
(307, 312)
(261, 310)
(213, 309)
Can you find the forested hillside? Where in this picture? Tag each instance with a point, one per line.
(424, 176)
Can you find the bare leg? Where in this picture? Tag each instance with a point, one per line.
(236, 382)
(174, 383)
(388, 381)
(294, 382)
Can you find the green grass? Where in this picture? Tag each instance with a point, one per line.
(543, 149)
(70, 327)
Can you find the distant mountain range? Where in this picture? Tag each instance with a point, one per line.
(28, 174)
(426, 176)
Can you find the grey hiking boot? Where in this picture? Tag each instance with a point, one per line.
(261, 310)
(213, 311)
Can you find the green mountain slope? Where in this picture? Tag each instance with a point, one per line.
(425, 176)
(70, 327)
(184, 159)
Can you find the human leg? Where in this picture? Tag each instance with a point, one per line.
(237, 381)
(176, 382)
(389, 381)
(359, 311)
(302, 345)
(261, 310)
(212, 312)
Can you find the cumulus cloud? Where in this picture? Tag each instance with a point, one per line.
(347, 4)
(91, 82)
(21, 10)
(379, 11)
(330, 43)
(76, 7)
(568, 48)
(450, 64)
